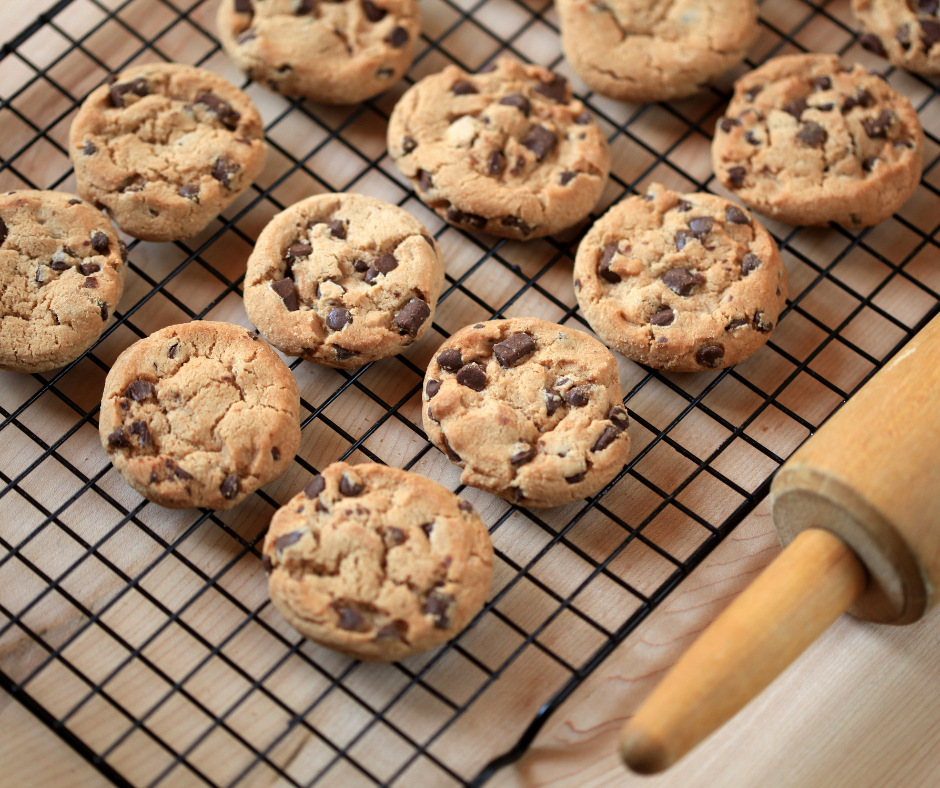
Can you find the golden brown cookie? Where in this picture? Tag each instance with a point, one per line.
(200, 415)
(684, 282)
(904, 31)
(377, 563)
(808, 141)
(62, 270)
(165, 148)
(334, 51)
(531, 411)
(508, 150)
(343, 279)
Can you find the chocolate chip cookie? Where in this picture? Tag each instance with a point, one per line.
(683, 282)
(165, 148)
(645, 50)
(531, 411)
(338, 52)
(377, 563)
(200, 415)
(62, 270)
(904, 31)
(808, 141)
(508, 151)
(343, 279)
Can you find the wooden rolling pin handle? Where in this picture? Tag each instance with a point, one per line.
(809, 585)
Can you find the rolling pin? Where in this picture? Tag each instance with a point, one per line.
(857, 509)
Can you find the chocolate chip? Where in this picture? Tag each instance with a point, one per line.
(408, 144)
(140, 390)
(275, 453)
(89, 268)
(463, 87)
(681, 281)
(398, 37)
(511, 351)
(519, 166)
(710, 355)
(424, 180)
(60, 262)
(465, 506)
(123, 248)
(118, 440)
(765, 327)
(338, 319)
(137, 87)
(931, 32)
(751, 93)
(556, 89)
(736, 176)
(608, 436)
(224, 169)
(603, 267)
(523, 456)
(432, 388)
(230, 487)
(878, 127)
(566, 177)
(684, 206)
(337, 228)
(796, 107)
(496, 163)
(459, 217)
(813, 134)
(517, 224)
(619, 417)
(827, 107)
(540, 141)
(100, 242)
(227, 116)
(171, 353)
(701, 225)
(349, 487)
(372, 11)
(736, 324)
(822, 83)
(473, 376)
(437, 606)
(303, 7)
(749, 263)
(288, 293)
(726, 124)
(518, 101)
(869, 164)
(350, 618)
(584, 118)
(394, 536)
(315, 486)
(91, 283)
(104, 312)
(578, 477)
(872, 43)
(142, 431)
(450, 359)
(71, 202)
(89, 149)
(412, 316)
(664, 317)
(735, 215)
(451, 454)
(298, 249)
(928, 6)
(282, 542)
(552, 402)
(397, 630)
(244, 7)
(903, 36)
(682, 238)
(189, 191)
(578, 397)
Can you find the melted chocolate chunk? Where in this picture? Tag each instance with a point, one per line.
(337, 229)
(496, 163)
(288, 293)
(813, 134)
(540, 141)
(89, 268)
(450, 359)
(608, 436)
(394, 536)
(516, 223)
(288, 539)
(518, 101)
(275, 453)
(931, 32)
(473, 376)
(463, 87)
(438, 606)
(227, 116)
(91, 282)
(578, 477)
(684, 206)
(140, 390)
(315, 486)
(619, 417)
(927, 6)
(555, 89)
(137, 87)
(373, 12)
(796, 107)
(869, 164)
(338, 319)
(710, 355)
(749, 262)
(224, 169)
(523, 456)
(764, 326)
(726, 124)
(349, 487)
(451, 454)
(465, 506)
(566, 177)
(872, 43)
(459, 217)
(681, 281)
(682, 238)
(878, 127)
(142, 431)
(100, 242)
(425, 182)
(701, 226)
(397, 630)
(735, 324)
(736, 176)
(578, 397)
(552, 402)
(349, 617)
(511, 351)
(432, 388)
(735, 215)
(189, 191)
(412, 316)
(398, 37)
(244, 7)
(603, 267)
(822, 83)
(118, 440)
(664, 317)
(751, 93)
(171, 353)
(230, 487)
(89, 149)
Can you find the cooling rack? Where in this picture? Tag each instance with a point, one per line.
(143, 637)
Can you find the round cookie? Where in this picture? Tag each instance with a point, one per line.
(683, 282)
(200, 415)
(165, 148)
(61, 275)
(343, 279)
(376, 562)
(532, 411)
(904, 31)
(645, 50)
(508, 151)
(808, 141)
(337, 52)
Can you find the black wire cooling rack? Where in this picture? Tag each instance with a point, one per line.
(144, 638)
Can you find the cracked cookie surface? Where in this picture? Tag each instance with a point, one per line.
(808, 141)
(648, 50)
(165, 148)
(343, 279)
(62, 269)
(904, 31)
(338, 52)
(532, 411)
(200, 415)
(376, 562)
(684, 282)
(508, 151)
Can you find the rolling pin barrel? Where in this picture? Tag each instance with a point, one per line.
(858, 507)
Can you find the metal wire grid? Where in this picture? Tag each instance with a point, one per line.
(344, 760)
